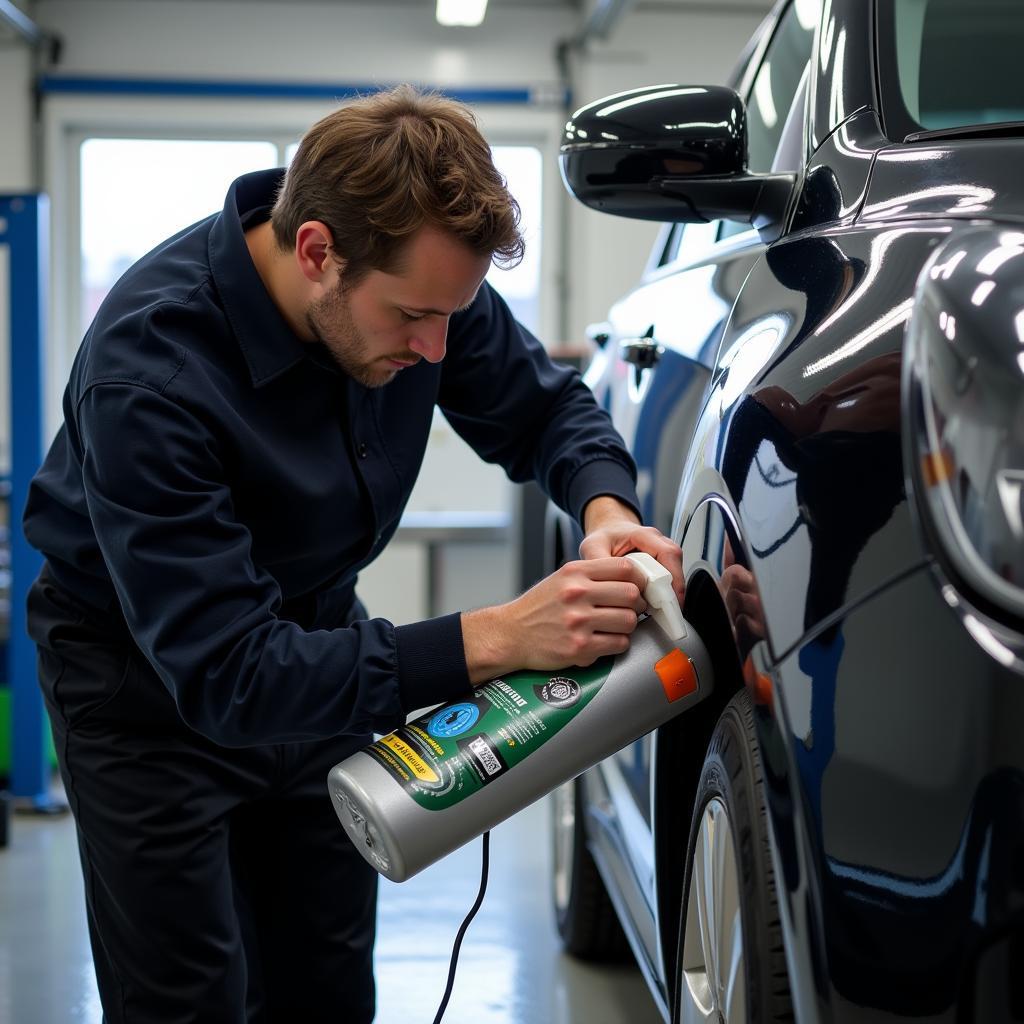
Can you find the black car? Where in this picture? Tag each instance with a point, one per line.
(821, 375)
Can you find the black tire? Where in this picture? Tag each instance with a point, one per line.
(584, 914)
(730, 808)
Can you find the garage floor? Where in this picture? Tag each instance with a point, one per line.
(510, 972)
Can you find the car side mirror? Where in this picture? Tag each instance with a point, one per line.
(671, 153)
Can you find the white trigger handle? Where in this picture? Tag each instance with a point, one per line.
(662, 603)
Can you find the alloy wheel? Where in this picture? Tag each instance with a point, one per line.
(713, 967)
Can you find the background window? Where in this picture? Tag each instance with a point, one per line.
(520, 286)
(137, 192)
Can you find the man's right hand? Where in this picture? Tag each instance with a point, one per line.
(576, 615)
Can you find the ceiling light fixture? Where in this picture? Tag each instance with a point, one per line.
(461, 12)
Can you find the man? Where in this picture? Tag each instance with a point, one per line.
(243, 426)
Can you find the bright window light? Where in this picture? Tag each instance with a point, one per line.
(461, 12)
(522, 169)
(120, 222)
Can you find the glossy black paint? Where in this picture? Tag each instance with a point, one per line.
(671, 153)
(676, 129)
(837, 175)
(965, 179)
(844, 78)
(963, 395)
(674, 152)
(802, 422)
(903, 813)
(889, 689)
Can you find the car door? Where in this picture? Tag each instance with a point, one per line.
(653, 375)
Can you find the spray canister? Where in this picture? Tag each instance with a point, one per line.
(446, 777)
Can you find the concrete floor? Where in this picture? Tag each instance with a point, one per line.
(511, 970)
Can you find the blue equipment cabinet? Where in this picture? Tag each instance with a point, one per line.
(24, 260)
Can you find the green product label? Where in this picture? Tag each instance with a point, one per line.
(443, 757)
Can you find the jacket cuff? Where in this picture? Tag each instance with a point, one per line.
(601, 477)
(431, 662)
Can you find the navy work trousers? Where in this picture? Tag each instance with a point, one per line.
(219, 885)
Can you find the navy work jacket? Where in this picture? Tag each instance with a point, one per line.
(220, 484)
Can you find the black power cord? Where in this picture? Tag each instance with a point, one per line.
(485, 857)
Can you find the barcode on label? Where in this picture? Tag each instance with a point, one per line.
(490, 763)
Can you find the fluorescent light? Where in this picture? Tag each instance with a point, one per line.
(461, 12)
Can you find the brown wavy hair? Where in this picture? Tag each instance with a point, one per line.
(378, 169)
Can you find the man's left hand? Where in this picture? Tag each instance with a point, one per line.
(613, 529)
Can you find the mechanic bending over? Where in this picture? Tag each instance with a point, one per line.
(243, 426)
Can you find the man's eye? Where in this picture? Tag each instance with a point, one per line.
(407, 317)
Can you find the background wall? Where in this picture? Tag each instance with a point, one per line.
(589, 259)
(16, 127)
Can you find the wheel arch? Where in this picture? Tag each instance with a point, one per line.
(678, 760)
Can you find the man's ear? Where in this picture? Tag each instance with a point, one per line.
(314, 251)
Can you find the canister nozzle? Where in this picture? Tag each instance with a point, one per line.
(662, 603)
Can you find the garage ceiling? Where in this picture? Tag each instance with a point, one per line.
(8, 35)
(756, 6)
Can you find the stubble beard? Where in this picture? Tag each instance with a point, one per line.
(331, 323)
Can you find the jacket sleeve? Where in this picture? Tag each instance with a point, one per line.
(505, 397)
(205, 615)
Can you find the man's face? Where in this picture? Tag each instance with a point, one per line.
(388, 322)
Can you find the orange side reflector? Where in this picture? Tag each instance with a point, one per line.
(937, 467)
(758, 683)
(677, 675)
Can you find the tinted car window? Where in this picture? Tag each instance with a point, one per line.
(777, 81)
(775, 90)
(958, 62)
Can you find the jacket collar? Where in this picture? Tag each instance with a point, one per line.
(269, 345)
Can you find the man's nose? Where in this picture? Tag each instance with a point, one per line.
(429, 338)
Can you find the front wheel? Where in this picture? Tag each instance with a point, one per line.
(731, 966)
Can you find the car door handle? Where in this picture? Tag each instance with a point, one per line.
(641, 352)
(599, 334)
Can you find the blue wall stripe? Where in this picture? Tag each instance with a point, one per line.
(240, 89)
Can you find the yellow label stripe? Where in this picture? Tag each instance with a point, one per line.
(420, 769)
